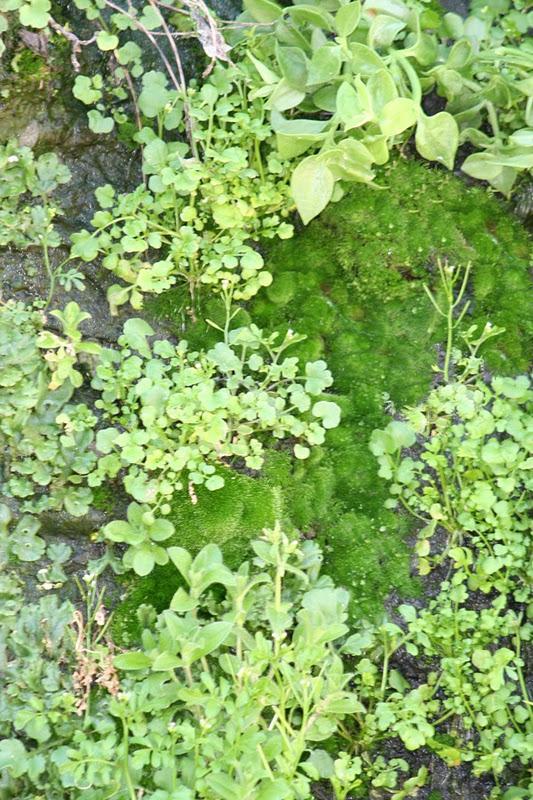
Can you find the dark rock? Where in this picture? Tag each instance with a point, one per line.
(460, 7)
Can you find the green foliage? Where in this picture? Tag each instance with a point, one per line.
(27, 210)
(178, 414)
(352, 78)
(262, 666)
(45, 439)
(63, 353)
(48, 671)
(234, 690)
(142, 532)
(353, 281)
(26, 184)
(469, 477)
(31, 13)
(193, 220)
(21, 542)
(241, 687)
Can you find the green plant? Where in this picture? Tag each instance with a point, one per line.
(28, 212)
(234, 687)
(252, 680)
(31, 13)
(45, 439)
(469, 479)
(178, 415)
(55, 663)
(196, 218)
(348, 80)
(63, 353)
(143, 533)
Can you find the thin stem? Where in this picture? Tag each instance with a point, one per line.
(186, 107)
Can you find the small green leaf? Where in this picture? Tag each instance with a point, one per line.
(301, 452)
(214, 483)
(329, 413)
(312, 186)
(397, 115)
(347, 18)
(325, 64)
(136, 331)
(35, 13)
(98, 123)
(437, 138)
(13, 757)
(134, 660)
(143, 562)
(265, 11)
(106, 41)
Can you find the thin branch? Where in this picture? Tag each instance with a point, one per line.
(186, 107)
(75, 43)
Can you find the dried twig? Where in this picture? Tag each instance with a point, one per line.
(186, 108)
(179, 84)
(207, 31)
(75, 43)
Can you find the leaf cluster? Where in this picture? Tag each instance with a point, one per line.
(347, 80)
(234, 690)
(196, 218)
(26, 186)
(176, 419)
(45, 439)
(461, 464)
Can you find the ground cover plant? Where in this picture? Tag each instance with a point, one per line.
(265, 514)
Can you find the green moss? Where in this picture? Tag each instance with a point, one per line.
(28, 64)
(229, 517)
(283, 289)
(104, 498)
(352, 281)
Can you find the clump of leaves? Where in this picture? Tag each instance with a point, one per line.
(252, 682)
(180, 417)
(234, 690)
(460, 463)
(26, 184)
(347, 80)
(471, 478)
(195, 218)
(143, 532)
(46, 647)
(64, 351)
(27, 210)
(45, 439)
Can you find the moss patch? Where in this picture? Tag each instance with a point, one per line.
(353, 283)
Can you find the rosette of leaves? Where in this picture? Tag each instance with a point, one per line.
(46, 440)
(194, 220)
(19, 540)
(178, 417)
(143, 532)
(64, 351)
(347, 80)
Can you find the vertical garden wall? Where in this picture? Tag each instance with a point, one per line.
(265, 416)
